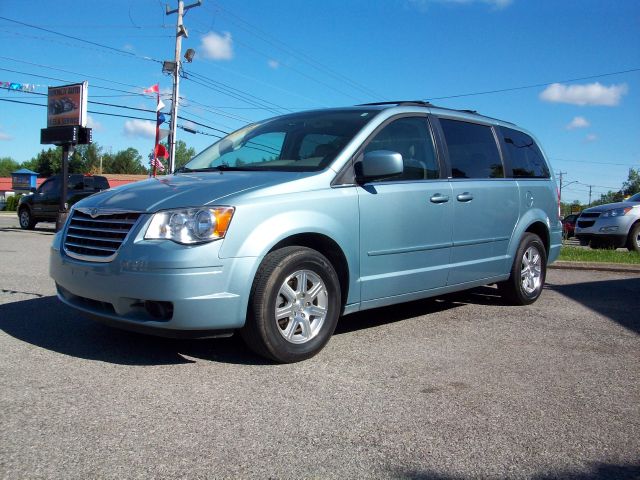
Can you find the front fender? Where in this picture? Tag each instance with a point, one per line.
(258, 226)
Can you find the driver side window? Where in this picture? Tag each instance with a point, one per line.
(411, 138)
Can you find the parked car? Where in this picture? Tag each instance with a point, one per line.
(613, 225)
(569, 225)
(43, 203)
(283, 226)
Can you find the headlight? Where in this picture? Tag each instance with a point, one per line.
(616, 212)
(190, 225)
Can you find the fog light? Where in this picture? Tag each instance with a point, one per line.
(609, 229)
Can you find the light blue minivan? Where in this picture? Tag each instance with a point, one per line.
(283, 226)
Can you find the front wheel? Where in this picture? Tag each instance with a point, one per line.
(26, 220)
(633, 241)
(528, 272)
(294, 305)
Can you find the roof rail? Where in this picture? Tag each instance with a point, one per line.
(423, 103)
(420, 103)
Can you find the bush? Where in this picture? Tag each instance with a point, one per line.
(12, 203)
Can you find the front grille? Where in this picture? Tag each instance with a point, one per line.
(97, 237)
(589, 214)
(586, 223)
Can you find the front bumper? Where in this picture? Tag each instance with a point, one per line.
(613, 231)
(207, 294)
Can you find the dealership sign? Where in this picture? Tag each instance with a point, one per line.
(67, 105)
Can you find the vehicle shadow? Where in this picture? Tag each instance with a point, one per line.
(598, 471)
(615, 299)
(47, 323)
(44, 230)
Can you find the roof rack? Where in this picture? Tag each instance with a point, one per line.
(423, 103)
(419, 103)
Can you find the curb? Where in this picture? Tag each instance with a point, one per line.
(600, 267)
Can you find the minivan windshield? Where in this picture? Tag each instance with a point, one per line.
(307, 141)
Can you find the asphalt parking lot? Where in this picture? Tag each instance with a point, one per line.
(459, 387)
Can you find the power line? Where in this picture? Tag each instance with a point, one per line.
(556, 159)
(78, 39)
(273, 41)
(234, 93)
(537, 85)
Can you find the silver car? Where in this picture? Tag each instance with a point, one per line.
(611, 225)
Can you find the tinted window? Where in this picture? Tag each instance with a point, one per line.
(101, 183)
(473, 151)
(526, 158)
(411, 138)
(50, 186)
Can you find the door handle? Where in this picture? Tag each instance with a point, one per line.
(465, 197)
(438, 198)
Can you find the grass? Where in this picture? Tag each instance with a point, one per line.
(577, 254)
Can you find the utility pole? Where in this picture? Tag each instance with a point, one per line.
(180, 32)
(590, 187)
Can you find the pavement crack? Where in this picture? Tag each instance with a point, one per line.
(18, 292)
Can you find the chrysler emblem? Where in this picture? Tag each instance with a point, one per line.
(93, 212)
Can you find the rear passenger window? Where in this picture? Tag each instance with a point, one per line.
(410, 137)
(473, 151)
(525, 156)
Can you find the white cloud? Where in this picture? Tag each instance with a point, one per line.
(273, 64)
(140, 128)
(578, 122)
(217, 47)
(590, 94)
(93, 123)
(592, 137)
(5, 136)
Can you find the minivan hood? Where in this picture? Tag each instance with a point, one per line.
(611, 206)
(184, 190)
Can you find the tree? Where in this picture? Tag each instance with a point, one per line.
(632, 185)
(125, 161)
(46, 163)
(183, 154)
(91, 155)
(7, 166)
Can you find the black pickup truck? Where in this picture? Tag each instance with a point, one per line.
(42, 204)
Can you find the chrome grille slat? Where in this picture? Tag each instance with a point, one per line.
(102, 230)
(97, 238)
(93, 247)
(97, 220)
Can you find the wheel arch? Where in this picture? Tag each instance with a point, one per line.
(541, 230)
(327, 247)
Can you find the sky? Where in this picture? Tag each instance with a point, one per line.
(566, 70)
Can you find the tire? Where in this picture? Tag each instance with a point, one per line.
(294, 305)
(528, 272)
(26, 220)
(633, 240)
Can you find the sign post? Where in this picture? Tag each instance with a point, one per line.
(66, 127)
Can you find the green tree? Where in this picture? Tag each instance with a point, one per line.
(183, 153)
(632, 185)
(125, 161)
(7, 166)
(46, 163)
(91, 155)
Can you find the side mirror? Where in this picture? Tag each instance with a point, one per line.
(378, 164)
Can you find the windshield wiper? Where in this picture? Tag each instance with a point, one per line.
(183, 169)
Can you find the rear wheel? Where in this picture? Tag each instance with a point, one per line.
(294, 305)
(26, 220)
(633, 241)
(527, 273)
